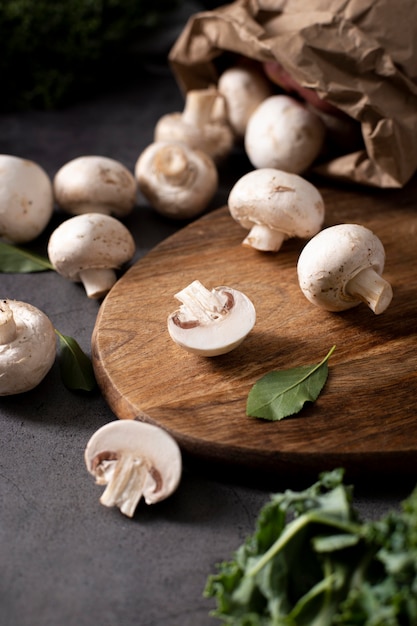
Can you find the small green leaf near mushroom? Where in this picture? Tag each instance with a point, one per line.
(76, 368)
(282, 393)
(15, 259)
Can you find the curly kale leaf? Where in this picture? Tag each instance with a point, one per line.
(312, 562)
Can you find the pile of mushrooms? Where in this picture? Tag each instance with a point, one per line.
(338, 268)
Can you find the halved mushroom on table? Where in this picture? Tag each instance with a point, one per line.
(211, 322)
(134, 459)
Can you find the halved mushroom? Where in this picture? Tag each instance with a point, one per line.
(27, 346)
(341, 267)
(211, 322)
(134, 459)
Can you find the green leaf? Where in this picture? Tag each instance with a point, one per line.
(282, 393)
(20, 261)
(76, 368)
(312, 561)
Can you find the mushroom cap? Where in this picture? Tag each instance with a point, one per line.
(26, 199)
(285, 134)
(332, 258)
(203, 125)
(279, 200)
(142, 441)
(177, 180)
(26, 360)
(89, 241)
(225, 333)
(95, 183)
(243, 88)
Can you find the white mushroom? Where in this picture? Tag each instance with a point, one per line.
(89, 248)
(203, 124)
(285, 134)
(26, 199)
(243, 88)
(341, 267)
(275, 205)
(134, 459)
(211, 322)
(27, 346)
(178, 181)
(95, 184)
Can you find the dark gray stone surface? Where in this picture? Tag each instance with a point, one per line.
(65, 559)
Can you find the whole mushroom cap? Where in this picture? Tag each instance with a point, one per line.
(284, 203)
(95, 184)
(29, 351)
(243, 88)
(178, 181)
(285, 134)
(26, 199)
(88, 248)
(330, 262)
(203, 124)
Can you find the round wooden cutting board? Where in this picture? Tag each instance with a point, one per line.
(366, 416)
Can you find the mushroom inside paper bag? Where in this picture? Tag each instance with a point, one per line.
(355, 59)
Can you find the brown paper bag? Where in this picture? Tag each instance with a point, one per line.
(358, 55)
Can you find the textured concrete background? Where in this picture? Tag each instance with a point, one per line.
(66, 560)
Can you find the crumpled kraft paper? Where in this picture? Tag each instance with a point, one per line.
(359, 55)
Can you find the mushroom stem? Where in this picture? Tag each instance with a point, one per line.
(199, 105)
(172, 163)
(97, 281)
(200, 304)
(371, 288)
(125, 481)
(263, 238)
(7, 324)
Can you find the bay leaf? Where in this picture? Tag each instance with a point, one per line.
(281, 393)
(76, 368)
(16, 260)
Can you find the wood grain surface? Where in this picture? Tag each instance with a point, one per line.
(366, 416)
